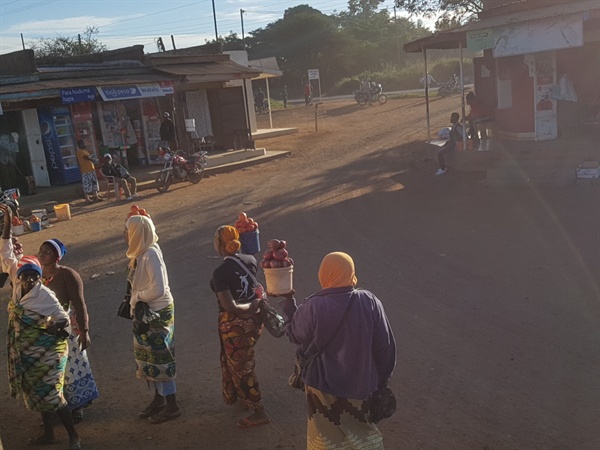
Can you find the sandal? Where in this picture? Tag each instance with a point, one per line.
(162, 417)
(150, 411)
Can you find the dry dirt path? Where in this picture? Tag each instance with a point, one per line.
(492, 294)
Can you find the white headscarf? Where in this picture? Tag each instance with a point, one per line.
(141, 234)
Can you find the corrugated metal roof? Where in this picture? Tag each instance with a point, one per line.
(215, 71)
(527, 16)
(451, 38)
(51, 88)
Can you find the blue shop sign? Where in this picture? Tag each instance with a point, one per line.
(78, 95)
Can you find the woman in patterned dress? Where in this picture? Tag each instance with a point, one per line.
(239, 327)
(37, 346)
(154, 348)
(80, 386)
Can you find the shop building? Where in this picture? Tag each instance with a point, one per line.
(539, 65)
(114, 102)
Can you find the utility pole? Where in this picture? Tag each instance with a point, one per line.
(396, 32)
(215, 20)
(22, 41)
(243, 38)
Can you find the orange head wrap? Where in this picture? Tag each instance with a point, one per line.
(227, 240)
(337, 270)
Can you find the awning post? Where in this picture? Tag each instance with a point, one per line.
(462, 86)
(426, 95)
(269, 101)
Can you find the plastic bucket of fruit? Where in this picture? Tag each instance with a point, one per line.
(250, 242)
(279, 280)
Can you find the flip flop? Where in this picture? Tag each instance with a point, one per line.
(245, 423)
(41, 440)
(150, 411)
(162, 417)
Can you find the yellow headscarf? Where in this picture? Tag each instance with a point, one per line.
(141, 234)
(227, 240)
(337, 270)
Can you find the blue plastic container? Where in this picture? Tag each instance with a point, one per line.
(250, 242)
(36, 226)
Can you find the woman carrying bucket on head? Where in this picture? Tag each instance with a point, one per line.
(239, 325)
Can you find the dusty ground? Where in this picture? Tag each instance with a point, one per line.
(492, 293)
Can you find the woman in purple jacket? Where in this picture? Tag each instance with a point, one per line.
(357, 356)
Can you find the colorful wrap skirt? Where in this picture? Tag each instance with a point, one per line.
(337, 423)
(238, 335)
(154, 350)
(36, 361)
(89, 182)
(80, 386)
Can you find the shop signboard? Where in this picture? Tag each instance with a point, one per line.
(109, 93)
(78, 95)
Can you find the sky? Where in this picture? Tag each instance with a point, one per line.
(124, 23)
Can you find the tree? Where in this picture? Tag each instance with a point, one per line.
(453, 11)
(62, 46)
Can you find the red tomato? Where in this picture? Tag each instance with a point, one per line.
(266, 263)
(241, 230)
(291, 261)
(243, 216)
(282, 244)
(268, 255)
(286, 262)
(280, 254)
(273, 244)
(237, 224)
(275, 264)
(250, 227)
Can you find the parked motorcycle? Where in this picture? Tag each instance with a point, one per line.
(376, 95)
(178, 168)
(452, 86)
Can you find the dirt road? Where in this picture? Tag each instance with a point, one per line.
(492, 293)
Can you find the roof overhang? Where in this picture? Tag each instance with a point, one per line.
(52, 88)
(453, 38)
(268, 67)
(208, 72)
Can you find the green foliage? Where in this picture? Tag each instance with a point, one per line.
(62, 46)
(453, 11)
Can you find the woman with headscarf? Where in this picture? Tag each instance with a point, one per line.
(152, 306)
(355, 349)
(37, 347)
(80, 386)
(239, 326)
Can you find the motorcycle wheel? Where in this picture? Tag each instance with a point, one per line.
(443, 91)
(163, 182)
(362, 100)
(382, 99)
(197, 176)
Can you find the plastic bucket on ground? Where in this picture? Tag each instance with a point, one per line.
(42, 215)
(250, 242)
(36, 226)
(63, 211)
(18, 230)
(279, 280)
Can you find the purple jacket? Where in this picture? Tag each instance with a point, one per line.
(361, 357)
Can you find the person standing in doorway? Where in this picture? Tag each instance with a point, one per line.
(89, 180)
(167, 132)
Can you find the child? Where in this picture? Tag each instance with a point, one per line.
(457, 134)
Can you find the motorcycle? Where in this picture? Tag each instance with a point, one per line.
(452, 86)
(178, 168)
(376, 95)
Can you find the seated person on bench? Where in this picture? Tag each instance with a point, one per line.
(478, 113)
(457, 134)
(121, 176)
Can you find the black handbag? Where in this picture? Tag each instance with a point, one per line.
(301, 363)
(382, 404)
(269, 316)
(124, 310)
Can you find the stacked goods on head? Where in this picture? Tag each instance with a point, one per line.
(245, 224)
(277, 256)
(135, 210)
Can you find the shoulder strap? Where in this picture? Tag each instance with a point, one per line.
(320, 350)
(243, 266)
